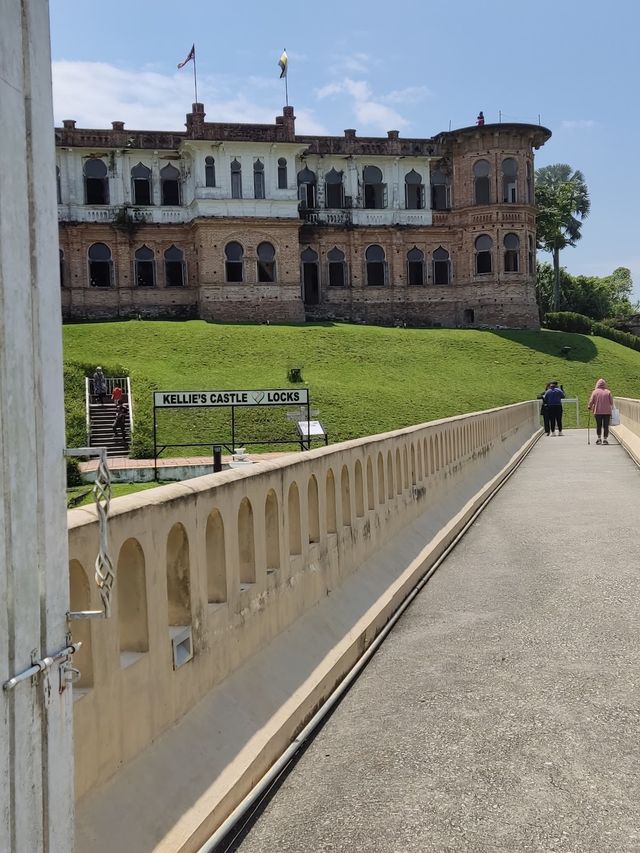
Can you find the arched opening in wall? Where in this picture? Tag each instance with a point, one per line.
(413, 191)
(413, 464)
(178, 576)
(236, 179)
(345, 494)
(432, 456)
(468, 316)
(531, 254)
(283, 183)
(333, 190)
(438, 449)
(440, 191)
(100, 265)
(310, 276)
(337, 268)
(234, 262)
(258, 179)
(511, 253)
(389, 476)
(313, 510)
(331, 502)
(398, 472)
(359, 490)
(209, 172)
(380, 479)
(441, 266)
(405, 467)
(145, 267)
(216, 559)
(415, 267)
(174, 267)
(420, 457)
(509, 181)
(483, 246)
(266, 263)
(376, 266)
(80, 599)
(481, 182)
(529, 184)
(246, 543)
(307, 189)
(170, 186)
(375, 191)
(371, 495)
(96, 182)
(293, 520)
(272, 532)
(133, 626)
(141, 185)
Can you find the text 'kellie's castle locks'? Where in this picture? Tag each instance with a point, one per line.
(251, 222)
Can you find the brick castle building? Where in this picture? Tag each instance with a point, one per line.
(254, 222)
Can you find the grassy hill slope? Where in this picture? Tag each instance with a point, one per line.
(363, 379)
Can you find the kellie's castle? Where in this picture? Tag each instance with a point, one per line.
(253, 222)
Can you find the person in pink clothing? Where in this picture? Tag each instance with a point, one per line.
(601, 403)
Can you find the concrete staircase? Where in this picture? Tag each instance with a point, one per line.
(101, 418)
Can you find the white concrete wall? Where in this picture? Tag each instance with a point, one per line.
(36, 789)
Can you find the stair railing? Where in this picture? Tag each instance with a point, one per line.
(130, 401)
(87, 408)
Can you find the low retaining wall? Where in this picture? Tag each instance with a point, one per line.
(279, 576)
(628, 433)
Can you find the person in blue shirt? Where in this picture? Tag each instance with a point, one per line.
(553, 397)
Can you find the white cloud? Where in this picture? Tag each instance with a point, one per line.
(97, 93)
(368, 110)
(408, 95)
(580, 124)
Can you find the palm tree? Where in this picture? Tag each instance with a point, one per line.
(562, 199)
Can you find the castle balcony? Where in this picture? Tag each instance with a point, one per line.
(114, 213)
(326, 217)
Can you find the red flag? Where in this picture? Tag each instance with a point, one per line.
(191, 55)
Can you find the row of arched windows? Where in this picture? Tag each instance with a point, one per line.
(508, 192)
(100, 261)
(511, 254)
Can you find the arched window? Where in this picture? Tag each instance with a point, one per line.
(236, 179)
(509, 181)
(174, 268)
(375, 192)
(258, 179)
(96, 182)
(209, 172)
(170, 185)
(234, 266)
(307, 189)
(413, 191)
(376, 266)
(266, 263)
(337, 268)
(483, 246)
(511, 253)
(141, 184)
(282, 174)
(529, 184)
(333, 189)
(482, 191)
(441, 266)
(58, 185)
(145, 275)
(415, 266)
(440, 191)
(310, 277)
(532, 256)
(100, 265)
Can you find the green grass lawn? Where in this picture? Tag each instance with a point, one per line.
(363, 379)
(82, 495)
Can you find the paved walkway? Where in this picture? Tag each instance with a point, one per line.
(503, 712)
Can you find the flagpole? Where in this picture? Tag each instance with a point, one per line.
(195, 78)
(286, 87)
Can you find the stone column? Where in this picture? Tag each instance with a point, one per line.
(36, 758)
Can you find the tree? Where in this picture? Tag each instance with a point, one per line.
(595, 297)
(563, 203)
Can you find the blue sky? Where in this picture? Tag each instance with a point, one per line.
(415, 67)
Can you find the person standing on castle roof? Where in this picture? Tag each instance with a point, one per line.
(480, 119)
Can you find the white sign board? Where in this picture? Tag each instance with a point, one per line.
(207, 399)
(310, 428)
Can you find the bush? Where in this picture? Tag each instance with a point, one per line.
(569, 321)
(73, 472)
(624, 338)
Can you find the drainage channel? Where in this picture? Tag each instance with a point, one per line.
(231, 832)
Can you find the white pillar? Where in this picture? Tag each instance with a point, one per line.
(36, 761)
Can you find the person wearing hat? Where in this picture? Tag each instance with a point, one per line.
(553, 398)
(99, 385)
